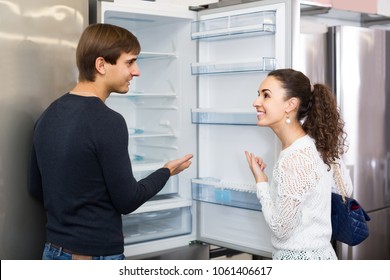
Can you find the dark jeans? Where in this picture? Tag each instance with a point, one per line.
(52, 253)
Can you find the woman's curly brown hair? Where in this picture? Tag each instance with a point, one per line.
(317, 111)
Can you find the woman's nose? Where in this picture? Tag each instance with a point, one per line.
(257, 102)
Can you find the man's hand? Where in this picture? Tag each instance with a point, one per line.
(178, 165)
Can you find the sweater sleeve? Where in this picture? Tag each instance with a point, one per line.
(295, 176)
(35, 180)
(126, 193)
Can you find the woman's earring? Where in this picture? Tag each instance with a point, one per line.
(288, 121)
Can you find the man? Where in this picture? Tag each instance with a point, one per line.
(80, 166)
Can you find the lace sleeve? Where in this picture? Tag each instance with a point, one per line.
(294, 176)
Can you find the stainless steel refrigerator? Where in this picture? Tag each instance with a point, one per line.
(38, 42)
(355, 62)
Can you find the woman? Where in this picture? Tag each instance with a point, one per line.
(297, 203)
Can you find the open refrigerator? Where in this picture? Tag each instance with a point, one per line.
(200, 71)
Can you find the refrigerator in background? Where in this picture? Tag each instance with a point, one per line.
(355, 62)
(38, 42)
(200, 71)
(362, 64)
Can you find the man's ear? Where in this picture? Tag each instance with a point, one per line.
(100, 65)
(292, 104)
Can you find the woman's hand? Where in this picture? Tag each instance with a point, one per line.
(257, 167)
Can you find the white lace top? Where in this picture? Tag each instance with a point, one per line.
(297, 203)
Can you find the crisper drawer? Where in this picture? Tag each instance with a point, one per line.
(148, 226)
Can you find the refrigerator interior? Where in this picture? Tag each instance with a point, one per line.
(156, 112)
(199, 76)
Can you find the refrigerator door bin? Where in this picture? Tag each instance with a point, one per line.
(266, 64)
(220, 116)
(225, 193)
(154, 225)
(242, 24)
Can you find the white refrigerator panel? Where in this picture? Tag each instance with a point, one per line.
(199, 76)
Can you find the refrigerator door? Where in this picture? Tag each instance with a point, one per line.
(361, 89)
(38, 42)
(237, 47)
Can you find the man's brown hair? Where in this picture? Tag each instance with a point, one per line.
(103, 40)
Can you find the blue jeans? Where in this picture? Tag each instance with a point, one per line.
(52, 253)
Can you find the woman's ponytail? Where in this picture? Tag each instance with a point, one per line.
(324, 124)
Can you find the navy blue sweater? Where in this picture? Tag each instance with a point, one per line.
(81, 170)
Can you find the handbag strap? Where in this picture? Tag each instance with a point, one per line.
(339, 181)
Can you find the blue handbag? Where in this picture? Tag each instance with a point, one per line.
(349, 220)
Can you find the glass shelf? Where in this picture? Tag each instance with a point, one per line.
(223, 116)
(139, 133)
(143, 161)
(225, 193)
(156, 55)
(142, 94)
(264, 65)
(148, 167)
(262, 23)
